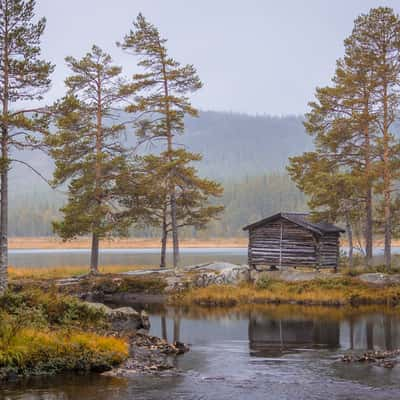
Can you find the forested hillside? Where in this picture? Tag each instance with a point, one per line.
(246, 153)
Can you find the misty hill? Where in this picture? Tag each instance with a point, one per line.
(244, 152)
(238, 145)
(234, 146)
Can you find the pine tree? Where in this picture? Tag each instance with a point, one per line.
(88, 152)
(163, 89)
(342, 122)
(150, 194)
(351, 120)
(24, 76)
(333, 195)
(376, 36)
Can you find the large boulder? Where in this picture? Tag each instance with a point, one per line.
(128, 319)
(124, 319)
(380, 279)
(290, 275)
(221, 274)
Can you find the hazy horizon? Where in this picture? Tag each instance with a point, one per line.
(257, 57)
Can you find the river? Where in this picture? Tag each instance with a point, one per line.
(261, 352)
(189, 256)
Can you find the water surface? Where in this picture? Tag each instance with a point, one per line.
(271, 352)
(189, 256)
(68, 257)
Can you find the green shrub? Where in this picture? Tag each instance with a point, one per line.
(45, 333)
(264, 283)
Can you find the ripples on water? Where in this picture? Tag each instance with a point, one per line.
(280, 352)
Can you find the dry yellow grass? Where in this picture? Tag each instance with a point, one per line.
(138, 243)
(338, 292)
(66, 271)
(131, 243)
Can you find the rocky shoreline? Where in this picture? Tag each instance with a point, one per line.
(386, 359)
(147, 354)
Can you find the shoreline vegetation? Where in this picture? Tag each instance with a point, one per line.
(49, 333)
(63, 333)
(130, 243)
(50, 243)
(335, 292)
(303, 287)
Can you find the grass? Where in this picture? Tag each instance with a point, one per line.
(327, 292)
(120, 243)
(358, 270)
(66, 271)
(45, 351)
(48, 332)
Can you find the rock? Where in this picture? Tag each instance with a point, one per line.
(386, 359)
(177, 283)
(380, 279)
(149, 355)
(180, 347)
(127, 319)
(99, 306)
(225, 274)
(123, 319)
(291, 275)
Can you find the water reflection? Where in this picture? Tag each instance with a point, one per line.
(269, 333)
(257, 352)
(271, 338)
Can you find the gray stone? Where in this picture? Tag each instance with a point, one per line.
(123, 318)
(128, 319)
(221, 274)
(380, 279)
(99, 306)
(291, 275)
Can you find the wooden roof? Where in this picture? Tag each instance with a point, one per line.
(300, 219)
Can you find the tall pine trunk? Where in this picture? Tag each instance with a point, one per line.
(368, 203)
(349, 231)
(368, 227)
(4, 212)
(386, 181)
(164, 239)
(94, 255)
(4, 169)
(174, 224)
(172, 189)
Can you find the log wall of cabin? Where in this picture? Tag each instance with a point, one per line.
(329, 250)
(300, 247)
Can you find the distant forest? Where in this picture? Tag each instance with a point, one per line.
(248, 154)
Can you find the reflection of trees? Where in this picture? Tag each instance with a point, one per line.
(274, 335)
(376, 331)
(269, 337)
(164, 333)
(176, 330)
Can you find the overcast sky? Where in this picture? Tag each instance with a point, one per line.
(254, 56)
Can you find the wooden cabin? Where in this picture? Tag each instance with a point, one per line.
(290, 239)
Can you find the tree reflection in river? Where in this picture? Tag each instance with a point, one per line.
(294, 354)
(277, 330)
